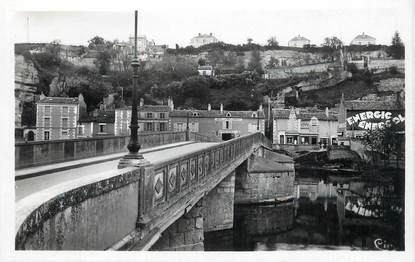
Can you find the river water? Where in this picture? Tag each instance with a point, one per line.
(326, 213)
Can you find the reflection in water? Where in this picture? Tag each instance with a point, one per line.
(325, 214)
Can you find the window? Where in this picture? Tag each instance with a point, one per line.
(196, 114)
(162, 115)
(149, 115)
(80, 130)
(228, 114)
(47, 122)
(290, 140)
(163, 127)
(46, 135)
(64, 133)
(65, 110)
(65, 122)
(148, 127)
(101, 128)
(254, 115)
(227, 125)
(47, 110)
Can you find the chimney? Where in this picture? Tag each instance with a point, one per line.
(260, 108)
(141, 101)
(209, 107)
(297, 111)
(42, 95)
(327, 112)
(221, 108)
(199, 34)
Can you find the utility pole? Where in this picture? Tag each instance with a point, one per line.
(133, 158)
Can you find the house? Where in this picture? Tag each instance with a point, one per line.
(151, 118)
(206, 70)
(99, 123)
(203, 39)
(304, 126)
(57, 118)
(220, 124)
(298, 41)
(363, 40)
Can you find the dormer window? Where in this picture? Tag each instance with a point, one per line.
(228, 114)
(196, 114)
(254, 115)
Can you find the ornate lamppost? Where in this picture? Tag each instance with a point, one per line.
(133, 158)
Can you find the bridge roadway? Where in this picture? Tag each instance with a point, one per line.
(29, 186)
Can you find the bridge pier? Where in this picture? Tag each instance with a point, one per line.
(185, 234)
(264, 178)
(218, 205)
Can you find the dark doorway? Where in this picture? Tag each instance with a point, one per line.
(227, 136)
(30, 136)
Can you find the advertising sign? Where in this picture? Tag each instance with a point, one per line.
(372, 120)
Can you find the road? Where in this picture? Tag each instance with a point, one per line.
(26, 187)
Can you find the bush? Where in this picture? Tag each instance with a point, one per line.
(393, 70)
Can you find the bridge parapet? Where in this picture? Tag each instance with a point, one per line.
(37, 153)
(129, 208)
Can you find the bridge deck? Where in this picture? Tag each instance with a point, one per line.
(32, 185)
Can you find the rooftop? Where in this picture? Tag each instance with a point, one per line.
(59, 100)
(150, 108)
(299, 38)
(364, 37)
(263, 165)
(217, 113)
(305, 114)
(99, 117)
(372, 105)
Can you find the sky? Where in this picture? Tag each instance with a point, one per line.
(171, 26)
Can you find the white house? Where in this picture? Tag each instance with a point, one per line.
(298, 41)
(203, 39)
(363, 40)
(206, 70)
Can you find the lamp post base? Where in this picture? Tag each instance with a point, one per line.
(132, 160)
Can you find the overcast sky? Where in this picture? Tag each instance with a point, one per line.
(171, 26)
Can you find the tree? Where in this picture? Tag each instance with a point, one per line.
(201, 62)
(103, 62)
(273, 62)
(255, 62)
(96, 42)
(387, 141)
(333, 42)
(272, 42)
(397, 48)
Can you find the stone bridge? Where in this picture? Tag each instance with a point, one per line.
(165, 205)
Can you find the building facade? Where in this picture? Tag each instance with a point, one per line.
(151, 118)
(219, 124)
(206, 70)
(304, 127)
(298, 41)
(363, 40)
(57, 118)
(203, 39)
(99, 123)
